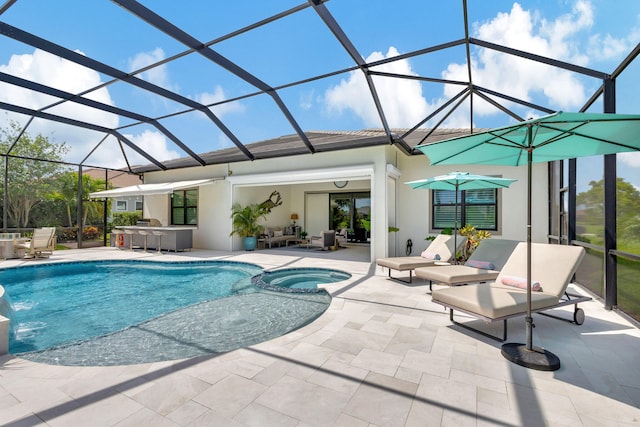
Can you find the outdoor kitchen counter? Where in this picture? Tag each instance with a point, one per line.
(175, 237)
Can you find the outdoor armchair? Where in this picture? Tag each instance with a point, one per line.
(326, 239)
(41, 245)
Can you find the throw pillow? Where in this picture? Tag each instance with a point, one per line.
(277, 233)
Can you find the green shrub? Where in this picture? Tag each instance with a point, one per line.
(126, 218)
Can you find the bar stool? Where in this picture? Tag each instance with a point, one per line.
(144, 233)
(119, 238)
(159, 233)
(130, 233)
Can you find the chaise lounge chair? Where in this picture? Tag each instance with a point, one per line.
(483, 265)
(442, 246)
(41, 245)
(552, 267)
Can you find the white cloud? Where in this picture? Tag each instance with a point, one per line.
(561, 38)
(523, 79)
(59, 73)
(602, 47)
(218, 95)
(306, 100)
(109, 153)
(631, 159)
(153, 143)
(157, 75)
(403, 101)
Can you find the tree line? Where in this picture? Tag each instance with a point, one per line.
(40, 193)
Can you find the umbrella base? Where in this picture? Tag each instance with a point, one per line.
(534, 358)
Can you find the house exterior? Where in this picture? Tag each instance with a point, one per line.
(307, 183)
(119, 179)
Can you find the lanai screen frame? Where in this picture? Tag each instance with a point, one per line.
(244, 151)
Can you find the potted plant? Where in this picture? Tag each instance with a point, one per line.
(474, 237)
(245, 223)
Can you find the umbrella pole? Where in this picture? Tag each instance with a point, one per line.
(526, 354)
(455, 229)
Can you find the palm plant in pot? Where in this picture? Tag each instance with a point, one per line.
(245, 223)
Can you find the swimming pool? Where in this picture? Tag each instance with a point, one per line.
(298, 280)
(122, 312)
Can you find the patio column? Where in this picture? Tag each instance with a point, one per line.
(610, 201)
(79, 209)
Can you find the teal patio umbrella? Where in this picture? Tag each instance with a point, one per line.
(557, 136)
(459, 181)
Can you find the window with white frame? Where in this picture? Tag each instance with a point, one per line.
(121, 205)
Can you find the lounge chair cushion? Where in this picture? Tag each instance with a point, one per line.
(491, 300)
(456, 274)
(403, 263)
(495, 251)
(551, 265)
(492, 251)
(442, 245)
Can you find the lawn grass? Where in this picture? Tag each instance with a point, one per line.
(591, 276)
(629, 287)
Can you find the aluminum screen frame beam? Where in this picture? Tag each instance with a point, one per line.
(201, 48)
(55, 49)
(81, 124)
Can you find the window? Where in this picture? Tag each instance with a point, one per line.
(121, 205)
(476, 207)
(184, 207)
(138, 206)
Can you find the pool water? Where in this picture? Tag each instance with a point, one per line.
(299, 279)
(101, 313)
(62, 303)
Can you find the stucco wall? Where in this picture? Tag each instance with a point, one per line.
(408, 209)
(413, 208)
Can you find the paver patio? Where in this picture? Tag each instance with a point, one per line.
(381, 355)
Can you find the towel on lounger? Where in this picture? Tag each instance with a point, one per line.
(429, 255)
(520, 282)
(485, 265)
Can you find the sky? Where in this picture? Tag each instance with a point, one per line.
(596, 34)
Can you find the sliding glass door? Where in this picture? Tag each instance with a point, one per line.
(353, 212)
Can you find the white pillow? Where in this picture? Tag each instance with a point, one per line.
(277, 233)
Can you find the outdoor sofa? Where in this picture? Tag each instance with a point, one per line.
(276, 236)
(440, 250)
(552, 268)
(483, 265)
